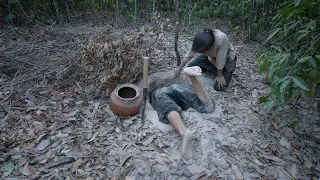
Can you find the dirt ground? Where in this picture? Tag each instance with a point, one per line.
(66, 130)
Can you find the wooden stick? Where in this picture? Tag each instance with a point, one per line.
(177, 28)
(145, 71)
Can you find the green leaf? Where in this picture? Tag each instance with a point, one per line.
(304, 59)
(302, 35)
(313, 62)
(315, 107)
(314, 76)
(269, 104)
(285, 30)
(263, 66)
(263, 99)
(12, 1)
(280, 100)
(284, 85)
(10, 17)
(296, 3)
(318, 57)
(276, 48)
(300, 82)
(271, 71)
(283, 58)
(273, 34)
(262, 55)
(7, 168)
(280, 80)
(293, 25)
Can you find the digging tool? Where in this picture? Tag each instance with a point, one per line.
(177, 28)
(145, 85)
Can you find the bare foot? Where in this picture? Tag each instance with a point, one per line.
(186, 142)
(192, 71)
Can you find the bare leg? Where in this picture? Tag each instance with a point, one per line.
(192, 72)
(185, 134)
(201, 93)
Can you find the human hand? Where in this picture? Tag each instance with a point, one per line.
(221, 81)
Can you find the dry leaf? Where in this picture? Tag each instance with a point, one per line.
(201, 175)
(26, 169)
(61, 135)
(77, 164)
(71, 114)
(79, 102)
(28, 145)
(43, 161)
(257, 162)
(285, 143)
(149, 140)
(128, 178)
(294, 170)
(43, 144)
(264, 145)
(317, 167)
(81, 171)
(117, 129)
(271, 157)
(22, 161)
(307, 164)
(93, 137)
(74, 154)
(58, 163)
(40, 137)
(164, 155)
(124, 160)
(236, 171)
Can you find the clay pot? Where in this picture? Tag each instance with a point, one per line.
(126, 100)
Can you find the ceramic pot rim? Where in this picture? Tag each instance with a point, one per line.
(130, 86)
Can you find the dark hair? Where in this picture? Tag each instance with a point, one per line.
(203, 41)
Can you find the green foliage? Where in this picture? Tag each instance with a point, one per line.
(293, 63)
(48, 12)
(254, 15)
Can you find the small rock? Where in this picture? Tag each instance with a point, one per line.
(79, 102)
(67, 100)
(254, 93)
(28, 117)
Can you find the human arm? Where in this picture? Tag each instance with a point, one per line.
(185, 60)
(220, 79)
(221, 59)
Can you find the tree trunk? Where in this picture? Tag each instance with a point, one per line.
(135, 11)
(190, 12)
(117, 12)
(147, 9)
(153, 6)
(177, 11)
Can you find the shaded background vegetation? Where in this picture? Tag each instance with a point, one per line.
(289, 29)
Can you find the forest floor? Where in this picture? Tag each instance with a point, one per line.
(64, 129)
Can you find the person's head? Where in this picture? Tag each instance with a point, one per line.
(203, 41)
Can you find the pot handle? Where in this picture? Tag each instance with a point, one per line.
(145, 71)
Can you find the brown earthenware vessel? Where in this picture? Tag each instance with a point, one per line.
(126, 100)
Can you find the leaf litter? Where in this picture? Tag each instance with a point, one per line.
(71, 129)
